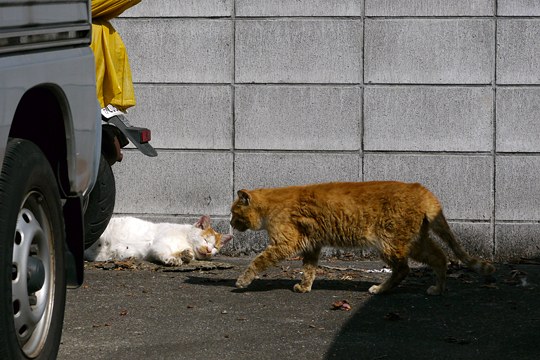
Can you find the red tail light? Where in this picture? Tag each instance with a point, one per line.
(146, 136)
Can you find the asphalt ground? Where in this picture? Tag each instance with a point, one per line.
(137, 310)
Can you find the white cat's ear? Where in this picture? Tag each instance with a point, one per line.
(244, 196)
(225, 239)
(203, 223)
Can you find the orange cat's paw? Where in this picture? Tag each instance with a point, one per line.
(434, 290)
(299, 288)
(375, 289)
(244, 280)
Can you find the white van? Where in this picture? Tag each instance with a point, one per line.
(50, 142)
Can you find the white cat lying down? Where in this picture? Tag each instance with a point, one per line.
(170, 244)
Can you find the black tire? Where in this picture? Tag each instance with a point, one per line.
(100, 204)
(32, 243)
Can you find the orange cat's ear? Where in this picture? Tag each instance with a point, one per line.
(244, 196)
(203, 222)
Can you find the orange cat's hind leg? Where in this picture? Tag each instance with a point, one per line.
(309, 269)
(428, 252)
(400, 269)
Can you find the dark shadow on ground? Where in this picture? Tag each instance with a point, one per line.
(472, 320)
(263, 285)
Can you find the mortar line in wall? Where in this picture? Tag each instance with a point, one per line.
(518, 222)
(382, 17)
(454, 85)
(471, 221)
(344, 85)
(233, 102)
(179, 84)
(329, 17)
(316, 18)
(378, 17)
(368, 152)
(363, 97)
(303, 18)
(494, 139)
(195, 18)
(431, 17)
(517, 153)
(244, 18)
(337, 152)
(250, 84)
(296, 152)
(428, 152)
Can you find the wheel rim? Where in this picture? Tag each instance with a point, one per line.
(33, 275)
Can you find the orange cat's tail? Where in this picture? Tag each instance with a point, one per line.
(441, 228)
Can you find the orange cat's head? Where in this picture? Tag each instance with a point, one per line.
(244, 214)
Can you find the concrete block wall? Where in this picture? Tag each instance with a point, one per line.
(256, 93)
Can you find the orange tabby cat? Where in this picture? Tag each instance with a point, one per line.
(392, 217)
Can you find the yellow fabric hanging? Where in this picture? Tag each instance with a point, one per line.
(113, 75)
(109, 9)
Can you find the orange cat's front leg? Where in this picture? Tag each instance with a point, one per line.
(269, 257)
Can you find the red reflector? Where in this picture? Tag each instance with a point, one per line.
(146, 136)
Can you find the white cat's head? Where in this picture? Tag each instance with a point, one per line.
(206, 241)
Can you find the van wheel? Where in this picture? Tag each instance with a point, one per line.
(32, 242)
(99, 204)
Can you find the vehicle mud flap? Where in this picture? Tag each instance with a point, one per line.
(74, 252)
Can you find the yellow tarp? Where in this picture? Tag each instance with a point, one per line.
(113, 74)
(109, 9)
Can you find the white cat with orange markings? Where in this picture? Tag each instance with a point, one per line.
(166, 243)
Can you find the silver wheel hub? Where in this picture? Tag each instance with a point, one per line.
(32, 276)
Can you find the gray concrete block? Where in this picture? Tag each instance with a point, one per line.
(518, 188)
(181, 8)
(428, 118)
(248, 243)
(175, 182)
(298, 8)
(178, 50)
(430, 51)
(257, 170)
(462, 183)
(185, 117)
(518, 8)
(515, 241)
(297, 117)
(476, 239)
(298, 51)
(518, 128)
(518, 51)
(429, 8)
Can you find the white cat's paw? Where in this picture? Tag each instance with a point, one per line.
(173, 261)
(375, 289)
(187, 255)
